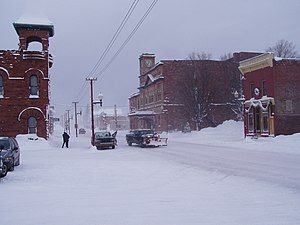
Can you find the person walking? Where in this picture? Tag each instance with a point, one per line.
(66, 138)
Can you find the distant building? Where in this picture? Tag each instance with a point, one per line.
(111, 118)
(174, 93)
(272, 95)
(24, 82)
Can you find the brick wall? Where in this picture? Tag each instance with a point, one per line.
(176, 106)
(16, 67)
(287, 94)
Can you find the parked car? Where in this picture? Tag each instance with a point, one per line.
(3, 167)
(104, 139)
(10, 152)
(145, 137)
(82, 131)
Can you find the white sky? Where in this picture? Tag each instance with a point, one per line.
(174, 29)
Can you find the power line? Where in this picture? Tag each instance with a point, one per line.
(111, 43)
(129, 37)
(118, 31)
(127, 40)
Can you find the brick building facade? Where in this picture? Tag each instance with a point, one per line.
(24, 82)
(173, 93)
(272, 94)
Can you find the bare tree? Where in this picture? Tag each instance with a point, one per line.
(196, 93)
(284, 49)
(226, 56)
(199, 56)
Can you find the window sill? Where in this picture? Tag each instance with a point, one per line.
(34, 96)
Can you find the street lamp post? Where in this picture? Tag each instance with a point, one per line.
(100, 97)
(240, 104)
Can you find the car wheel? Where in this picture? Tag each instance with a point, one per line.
(4, 171)
(98, 148)
(129, 143)
(18, 162)
(12, 168)
(113, 147)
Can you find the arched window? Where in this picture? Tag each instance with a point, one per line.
(35, 46)
(32, 125)
(33, 86)
(1, 86)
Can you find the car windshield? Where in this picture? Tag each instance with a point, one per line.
(102, 134)
(147, 132)
(5, 143)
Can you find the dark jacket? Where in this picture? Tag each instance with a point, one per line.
(65, 137)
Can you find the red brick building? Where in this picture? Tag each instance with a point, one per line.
(272, 94)
(173, 93)
(24, 82)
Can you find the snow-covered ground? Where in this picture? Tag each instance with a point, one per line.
(214, 176)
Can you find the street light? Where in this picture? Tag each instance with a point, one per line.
(240, 105)
(100, 97)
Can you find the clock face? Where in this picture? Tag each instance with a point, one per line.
(148, 63)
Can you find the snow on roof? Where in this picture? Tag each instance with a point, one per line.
(259, 103)
(134, 95)
(280, 59)
(142, 113)
(35, 22)
(156, 65)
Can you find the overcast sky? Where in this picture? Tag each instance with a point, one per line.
(172, 30)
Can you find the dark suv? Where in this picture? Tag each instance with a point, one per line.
(10, 152)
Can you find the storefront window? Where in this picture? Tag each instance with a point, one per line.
(250, 123)
(258, 120)
(265, 122)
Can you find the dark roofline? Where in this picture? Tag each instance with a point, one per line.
(47, 27)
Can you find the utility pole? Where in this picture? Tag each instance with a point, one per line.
(68, 120)
(76, 121)
(91, 79)
(116, 117)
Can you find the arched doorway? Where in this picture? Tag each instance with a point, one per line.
(32, 125)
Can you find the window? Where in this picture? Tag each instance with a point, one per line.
(288, 106)
(251, 90)
(34, 89)
(250, 123)
(1, 86)
(258, 120)
(32, 125)
(265, 121)
(264, 88)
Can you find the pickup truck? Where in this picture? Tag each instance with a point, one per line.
(104, 139)
(145, 137)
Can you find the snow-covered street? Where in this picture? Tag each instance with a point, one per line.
(190, 181)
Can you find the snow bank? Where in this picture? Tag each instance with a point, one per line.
(32, 141)
(231, 134)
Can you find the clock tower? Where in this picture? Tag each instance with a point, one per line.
(147, 61)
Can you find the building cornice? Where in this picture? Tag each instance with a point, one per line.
(256, 63)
